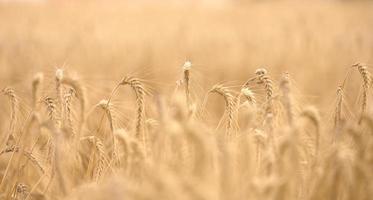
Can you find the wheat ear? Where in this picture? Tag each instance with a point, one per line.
(102, 160)
(139, 90)
(68, 115)
(249, 95)
(59, 90)
(229, 103)
(338, 111)
(265, 80)
(312, 114)
(186, 69)
(52, 110)
(80, 93)
(286, 100)
(9, 92)
(367, 80)
(36, 87)
(26, 154)
(105, 105)
(21, 191)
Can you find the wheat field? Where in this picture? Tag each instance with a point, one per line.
(179, 100)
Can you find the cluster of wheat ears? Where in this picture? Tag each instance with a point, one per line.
(263, 148)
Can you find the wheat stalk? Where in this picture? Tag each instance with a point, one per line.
(50, 159)
(135, 155)
(123, 139)
(261, 140)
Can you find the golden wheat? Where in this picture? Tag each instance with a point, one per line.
(57, 145)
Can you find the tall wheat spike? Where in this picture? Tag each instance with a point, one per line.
(59, 90)
(52, 110)
(9, 92)
(68, 109)
(286, 99)
(265, 80)
(338, 111)
(80, 93)
(186, 69)
(102, 160)
(367, 82)
(312, 114)
(36, 87)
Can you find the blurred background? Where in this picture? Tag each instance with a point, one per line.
(226, 40)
